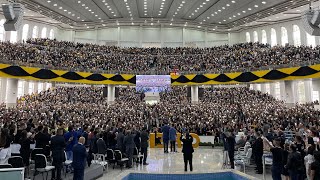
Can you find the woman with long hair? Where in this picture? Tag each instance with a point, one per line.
(5, 141)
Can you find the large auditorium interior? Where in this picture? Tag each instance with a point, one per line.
(160, 89)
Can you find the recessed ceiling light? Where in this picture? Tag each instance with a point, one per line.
(89, 10)
(170, 24)
(213, 29)
(234, 16)
(86, 7)
(73, 14)
(249, 9)
(204, 3)
(263, 2)
(183, 2)
(224, 20)
(159, 14)
(88, 27)
(60, 7)
(103, 25)
(219, 10)
(92, 12)
(69, 12)
(256, 6)
(239, 14)
(199, 26)
(79, 2)
(114, 15)
(215, 12)
(95, 15)
(54, 4)
(227, 4)
(145, 14)
(78, 17)
(83, 4)
(223, 8)
(244, 11)
(233, 1)
(82, 20)
(151, 24)
(212, 14)
(49, 1)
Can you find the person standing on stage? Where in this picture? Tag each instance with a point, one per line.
(187, 150)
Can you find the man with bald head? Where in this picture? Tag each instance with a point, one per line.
(79, 159)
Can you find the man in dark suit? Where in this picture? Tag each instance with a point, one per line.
(165, 137)
(144, 136)
(42, 140)
(57, 147)
(187, 150)
(258, 145)
(129, 144)
(231, 144)
(120, 138)
(79, 159)
(101, 145)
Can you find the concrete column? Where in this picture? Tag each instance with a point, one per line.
(194, 94)
(316, 85)
(35, 87)
(291, 93)
(263, 88)
(26, 87)
(111, 93)
(272, 89)
(3, 89)
(308, 90)
(12, 92)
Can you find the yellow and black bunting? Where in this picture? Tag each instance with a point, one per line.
(31, 73)
(294, 73)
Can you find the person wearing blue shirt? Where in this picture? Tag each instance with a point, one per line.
(71, 139)
(79, 159)
(172, 138)
(165, 137)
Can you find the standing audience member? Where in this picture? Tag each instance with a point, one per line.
(258, 145)
(120, 139)
(101, 145)
(79, 156)
(231, 145)
(295, 164)
(277, 152)
(5, 141)
(172, 138)
(129, 144)
(308, 160)
(58, 155)
(144, 144)
(315, 167)
(42, 139)
(71, 139)
(25, 150)
(187, 150)
(165, 137)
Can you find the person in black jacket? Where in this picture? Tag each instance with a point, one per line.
(258, 144)
(231, 141)
(25, 149)
(295, 164)
(57, 147)
(144, 144)
(42, 140)
(79, 156)
(187, 150)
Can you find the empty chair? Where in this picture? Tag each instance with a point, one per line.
(16, 162)
(34, 152)
(136, 156)
(110, 157)
(119, 158)
(41, 165)
(66, 164)
(102, 160)
(244, 160)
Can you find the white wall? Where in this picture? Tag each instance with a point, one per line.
(146, 36)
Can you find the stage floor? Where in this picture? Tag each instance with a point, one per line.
(205, 160)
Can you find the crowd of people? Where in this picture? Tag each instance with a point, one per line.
(73, 112)
(98, 58)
